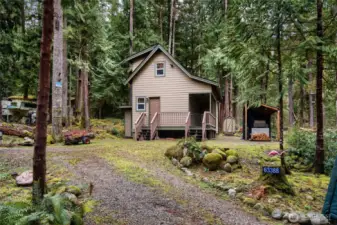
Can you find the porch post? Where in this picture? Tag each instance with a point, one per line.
(210, 102)
(216, 117)
(246, 123)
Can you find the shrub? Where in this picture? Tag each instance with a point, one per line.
(302, 147)
(194, 149)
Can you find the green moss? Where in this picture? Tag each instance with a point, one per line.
(278, 181)
(175, 152)
(232, 159)
(232, 152)
(186, 161)
(50, 139)
(212, 160)
(207, 147)
(74, 190)
(223, 154)
(249, 201)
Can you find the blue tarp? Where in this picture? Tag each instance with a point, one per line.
(330, 204)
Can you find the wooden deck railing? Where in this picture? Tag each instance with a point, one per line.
(139, 124)
(154, 125)
(172, 118)
(207, 120)
(187, 124)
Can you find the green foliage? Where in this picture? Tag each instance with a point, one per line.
(302, 148)
(54, 210)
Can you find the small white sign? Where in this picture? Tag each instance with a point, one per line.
(58, 84)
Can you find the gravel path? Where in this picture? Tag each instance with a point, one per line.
(138, 204)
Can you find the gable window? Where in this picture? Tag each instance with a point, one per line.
(160, 69)
(140, 104)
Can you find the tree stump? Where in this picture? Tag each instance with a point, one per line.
(278, 181)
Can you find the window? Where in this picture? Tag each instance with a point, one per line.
(160, 69)
(140, 104)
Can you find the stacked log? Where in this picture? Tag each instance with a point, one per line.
(15, 131)
(260, 137)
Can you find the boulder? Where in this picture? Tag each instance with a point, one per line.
(227, 168)
(175, 152)
(304, 219)
(232, 159)
(186, 161)
(258, 206)
(277, 214)
(187, 171)
(212, 161)
(232, 152)
(317, 218)
(25, 179)
(223, 154)
(232, 193)
(71, 197)
(27, 142)
(294, 217)
(174, 161)
(74, 190)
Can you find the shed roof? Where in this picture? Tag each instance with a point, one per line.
(264, 109)
(150, 52)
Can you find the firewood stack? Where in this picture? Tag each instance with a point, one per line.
(260, 137)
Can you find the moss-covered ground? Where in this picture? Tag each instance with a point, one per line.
(144, 162)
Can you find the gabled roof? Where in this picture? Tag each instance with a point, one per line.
(152, 50)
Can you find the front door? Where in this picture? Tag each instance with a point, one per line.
(154, 107)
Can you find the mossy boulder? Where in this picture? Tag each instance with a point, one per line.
(227, 168)
(175, 152)
(74, 190)
(208, 148)
(232, 152)
(249, 201)
(232, 159)
(223, 154)
(50, 139)
(186, 161)
(212, 160)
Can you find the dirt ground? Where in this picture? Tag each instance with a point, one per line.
(135, 184)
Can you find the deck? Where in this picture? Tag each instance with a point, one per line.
(191, 123)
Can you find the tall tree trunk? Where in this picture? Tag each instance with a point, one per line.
(171, 36)
(302, 103)
(57, 72)
(39, 159)
(290, 101)
(79, 95)
(65, 80)
(336, 95)
(311, 100)
(174, 31)
(23, 30)
(161, 22)
(131, 26)
(235, 106)
(85, 110)
(280, 89)
(227, 104)
(319, 159)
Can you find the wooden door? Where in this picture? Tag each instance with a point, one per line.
(154, 107)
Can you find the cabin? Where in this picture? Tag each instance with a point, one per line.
(166, 101)
(18, 108)
(258, 120)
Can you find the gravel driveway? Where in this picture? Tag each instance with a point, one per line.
(137, 204)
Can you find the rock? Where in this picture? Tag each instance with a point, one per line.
(249, 201)
(174, 161)
(232, 152)
(232, 159)
(185, 151)
(187, 171)
(25, 179)
(174, 152)
(317, 218)
(294, 217)
(224, 156)
(212, 161)
(309, 197)
(285, 222)
(186, 161)
(74, 190)
(227, 168)
(272, 200)
(285, 216)
(258, 207)
(277, 214)
(232, 193)
(304, 219)
(205, 180)
(28, 141)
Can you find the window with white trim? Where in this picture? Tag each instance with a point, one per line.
(140, 104)
(160, 69)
